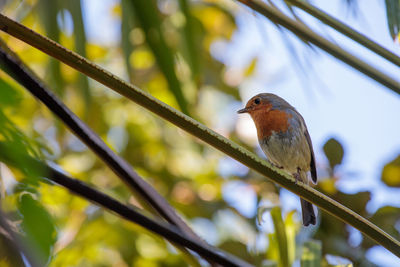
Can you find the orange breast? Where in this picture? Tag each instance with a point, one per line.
(267, 121)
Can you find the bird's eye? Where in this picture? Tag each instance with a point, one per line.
(257, 101)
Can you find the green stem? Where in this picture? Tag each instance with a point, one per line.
(200, 131)
(305, 33)
(346, 30)
(281, 238)
(311, 255)
(143, 192)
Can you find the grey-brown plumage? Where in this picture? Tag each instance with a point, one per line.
(284, 138)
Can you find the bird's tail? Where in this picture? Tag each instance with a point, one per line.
(307, 209)
(308, 214)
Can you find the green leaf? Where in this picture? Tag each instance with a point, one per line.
(15, 145)
(75, 8)
(391, 173)
(9, 96)
(393, 17)
(192, 45)
(387, 217)
(334, 152)
(240, 250)
(357, 201)
(149, 18)
(311, 254)
(48, 14)
(251, 67)
(216, 80)
(127, 24)
(38, 226)
(281, 237)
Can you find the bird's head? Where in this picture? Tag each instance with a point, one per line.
(261, 103)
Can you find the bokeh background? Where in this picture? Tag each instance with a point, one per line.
(207, 59)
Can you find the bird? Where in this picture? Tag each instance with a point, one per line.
(284, 139)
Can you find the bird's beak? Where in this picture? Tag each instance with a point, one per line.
(243, 110)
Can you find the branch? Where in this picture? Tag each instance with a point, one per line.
(83, 190)
(17, 70)
(346, 30)
(302, 31)
(153, 200)
(200, 131)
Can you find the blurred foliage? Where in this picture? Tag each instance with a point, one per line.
(282, 240)
(149, 18)
(334, 152)
(331, 261)
(311, 255)
(38, 227)
(338, 233)
(48, 10)
(391, 173)
(9, 256)
(393, 17)
(165, 47)
(9, 251)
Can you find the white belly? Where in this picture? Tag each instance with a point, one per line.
(289, 151)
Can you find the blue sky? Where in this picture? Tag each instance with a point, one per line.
(341, 103)
(344, 103)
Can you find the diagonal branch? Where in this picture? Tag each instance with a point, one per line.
(200, 131)
(124, 171)
(302, 31)
(346, 30)
(129, 213)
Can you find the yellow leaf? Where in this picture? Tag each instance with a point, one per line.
(77, 163)
(391, 173)
(328, 185)
(142, 58)
(95, 51)
(251, 68)
(150, 248)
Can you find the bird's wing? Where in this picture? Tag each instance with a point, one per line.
(300, 120)
(312, 163)
(313, 168)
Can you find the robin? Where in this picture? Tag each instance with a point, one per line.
(283, 137)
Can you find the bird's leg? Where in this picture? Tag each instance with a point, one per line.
(296, 176)
(277, 166)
